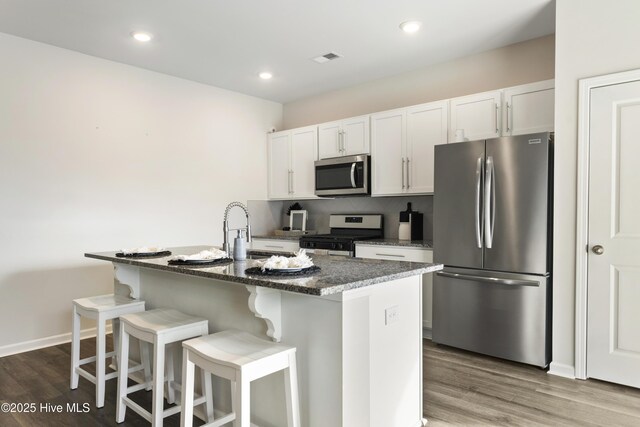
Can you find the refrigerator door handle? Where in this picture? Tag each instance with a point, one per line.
(496, 280)
(479, 169)
(489, 203)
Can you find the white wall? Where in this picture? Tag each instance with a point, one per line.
(96, 155)
(592, 38)
(519, 63)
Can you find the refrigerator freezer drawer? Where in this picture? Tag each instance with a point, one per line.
(498, 314)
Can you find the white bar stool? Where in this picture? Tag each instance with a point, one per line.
(100, 308)
(241, 358)
(158, 327)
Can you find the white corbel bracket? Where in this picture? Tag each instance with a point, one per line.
(265, 303)
(126, 280)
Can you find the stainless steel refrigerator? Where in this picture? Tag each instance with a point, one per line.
(493, 233)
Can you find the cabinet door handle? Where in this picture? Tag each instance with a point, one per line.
(496, 119)
(508, 117)
(402, 171)
(344, 142)
(292, 178)
(408, 175)
(392, 255)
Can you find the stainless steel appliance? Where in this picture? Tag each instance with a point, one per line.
(493, 232)
(345, 231)
(343, 176)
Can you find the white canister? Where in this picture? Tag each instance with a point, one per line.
(404, 231)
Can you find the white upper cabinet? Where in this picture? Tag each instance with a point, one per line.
(278, 147)
(426, 127)
(529, 108)
(477, 115)
(388, 132)
(304, 152)
(344, 137)
(402, 144)
(291, 155)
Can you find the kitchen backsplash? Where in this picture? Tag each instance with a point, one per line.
(266, 214)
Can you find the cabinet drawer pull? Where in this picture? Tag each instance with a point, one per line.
(274, 246)
(393, 255)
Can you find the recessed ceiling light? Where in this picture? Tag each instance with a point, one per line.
(141, 36)
(410, 27)
(265, 75)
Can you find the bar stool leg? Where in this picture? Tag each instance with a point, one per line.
(100, 361)
(158, 383)
(115, 334)
(146, 364)
(188, 369)
(171, 393)
(207, 390)
(122, 374)
(291, 392)
(75, 347)
(242, 402)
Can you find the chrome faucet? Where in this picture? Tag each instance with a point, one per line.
(225, 245)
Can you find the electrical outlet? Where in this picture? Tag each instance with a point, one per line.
(391, 315)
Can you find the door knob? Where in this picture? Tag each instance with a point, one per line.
(597, 249)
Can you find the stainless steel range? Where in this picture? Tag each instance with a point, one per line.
(345, 231)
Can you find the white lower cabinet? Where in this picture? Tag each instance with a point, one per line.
(274, 245)
(403, 253)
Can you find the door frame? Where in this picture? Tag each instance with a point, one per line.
(582, 217)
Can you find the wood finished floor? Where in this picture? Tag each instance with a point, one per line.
(461, 388)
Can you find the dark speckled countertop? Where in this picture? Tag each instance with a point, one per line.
(424, 244)
(337, 274)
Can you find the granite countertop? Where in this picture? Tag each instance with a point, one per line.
(337, 274)
(424, 244)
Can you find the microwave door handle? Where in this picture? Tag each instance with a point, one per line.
(353, 175)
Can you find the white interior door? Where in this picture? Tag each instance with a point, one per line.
(613, 341)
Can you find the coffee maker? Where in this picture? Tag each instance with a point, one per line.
(410, 227)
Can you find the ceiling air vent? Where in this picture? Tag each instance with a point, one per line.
(327, 57)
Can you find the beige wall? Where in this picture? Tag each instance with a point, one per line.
(592, 38)
(96, 155)
(512, 65)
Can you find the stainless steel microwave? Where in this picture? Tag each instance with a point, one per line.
(343, 176)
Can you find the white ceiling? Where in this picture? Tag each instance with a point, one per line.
(226, 43)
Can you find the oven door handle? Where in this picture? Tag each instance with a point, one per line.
(353, 175)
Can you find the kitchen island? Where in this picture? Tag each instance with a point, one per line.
(356, 325)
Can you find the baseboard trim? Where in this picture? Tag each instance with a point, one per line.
(426, 333)
(562, 370)
(39, 343)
